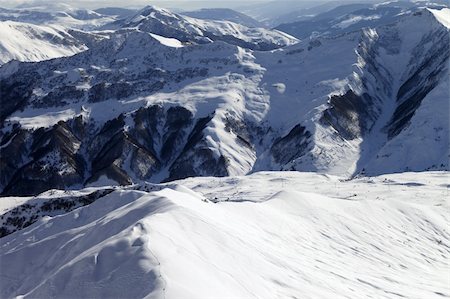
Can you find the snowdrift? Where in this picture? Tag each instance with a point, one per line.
(385, 237)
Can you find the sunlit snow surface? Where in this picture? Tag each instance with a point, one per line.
(169, 42)
(442, 15)
(28, 42)
(268, 235)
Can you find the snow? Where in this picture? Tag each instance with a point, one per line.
(42, 119)
(57, 14)
(427, 135)
(442, 15)
(27, 42)
(9, 203)
(224, 28)
(255, 88)
(270, 235)
(266, 235)
(153, 17)
(102, 181)
(169, 42)
(352, 19)
(281, 87)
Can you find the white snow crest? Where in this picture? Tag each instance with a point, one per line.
(319, 237)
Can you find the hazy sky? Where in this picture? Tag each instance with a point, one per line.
(187, 4)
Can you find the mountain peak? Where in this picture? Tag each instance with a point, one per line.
(442, 15)
(149, 9)
(186, 29)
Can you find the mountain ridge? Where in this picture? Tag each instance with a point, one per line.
(219, 114)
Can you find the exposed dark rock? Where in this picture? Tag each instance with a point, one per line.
(27, 214)
(314, 44)
(106, 133)
(177, 121)
(349, 114)
(427, 75)
(292, 146)
(60, 96)
(55, 163)
(119, 153)
(201, 162)
(14, 95)
(13, 154)
(146, 131)
(240, 129)
(197, 159)
(104, 91)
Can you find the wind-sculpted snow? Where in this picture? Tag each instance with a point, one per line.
(267, 235)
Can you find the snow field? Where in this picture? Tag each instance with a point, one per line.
(275, 239)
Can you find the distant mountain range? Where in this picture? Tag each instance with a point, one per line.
(223, 14)
(58, 15)
(352, 17)
(161, 96)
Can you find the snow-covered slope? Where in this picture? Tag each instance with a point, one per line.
(396, 67)
(223, 14)
(177, 110)
(27, 42)
(118, 12)
(58, 14)
(273, 13)
(351, 17)
(186, 29)
(269, 235)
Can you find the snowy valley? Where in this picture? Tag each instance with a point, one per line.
(204, 154)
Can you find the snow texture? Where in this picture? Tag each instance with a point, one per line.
(268, 235)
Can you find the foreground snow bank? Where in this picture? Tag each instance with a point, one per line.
(269, 235)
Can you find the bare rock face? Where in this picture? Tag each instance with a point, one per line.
(349, 114)
(14, 94)
(30, 212)
(55, 162)
(291, 146)
(72, 154)
(424, 75)
(196, 159)
(14, 146)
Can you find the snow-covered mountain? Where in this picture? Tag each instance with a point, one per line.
(57, 14)
(190, 30)
(166, 156)
(320, 237)
(223, 14)
(28, 42)
(118, 12)
(177, 110)
(275, 13)
(269, 11)
(351, 17)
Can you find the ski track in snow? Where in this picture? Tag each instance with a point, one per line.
(268, 235)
